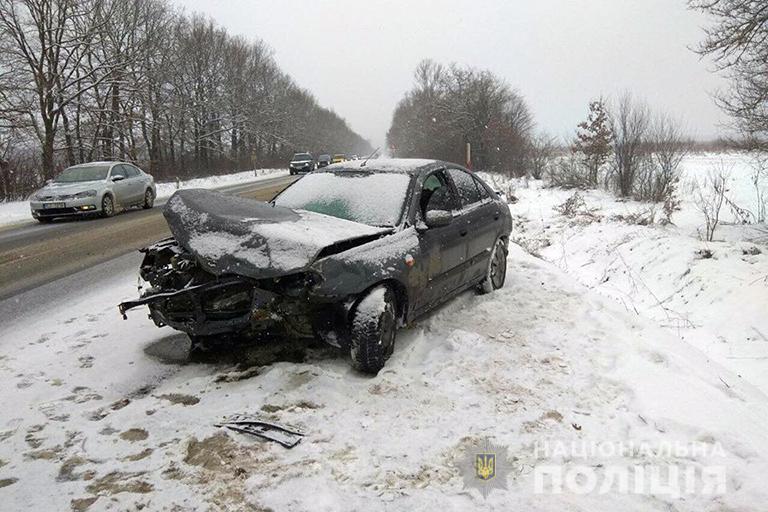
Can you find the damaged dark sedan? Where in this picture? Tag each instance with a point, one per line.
(346, 254)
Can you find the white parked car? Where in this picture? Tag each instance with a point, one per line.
(93, 188)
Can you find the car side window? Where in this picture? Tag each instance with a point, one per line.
(465, 186)
(484, 194)
(436, 194)
(118, 170)
(130, 171)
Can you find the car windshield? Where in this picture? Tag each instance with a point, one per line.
(83, 173)
(375, 199)
(325, 157)
(302, 156)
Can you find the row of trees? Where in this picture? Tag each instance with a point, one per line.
(136, 80)
(451, 106)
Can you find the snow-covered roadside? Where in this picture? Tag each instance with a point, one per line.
(167, 189)
(710, 294)
(101, 414)
(12, 212)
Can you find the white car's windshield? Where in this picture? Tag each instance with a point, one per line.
(83, 173)
(375, 199)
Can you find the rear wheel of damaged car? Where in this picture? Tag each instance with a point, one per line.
(107, 206)
(373, 326)
(496, 273)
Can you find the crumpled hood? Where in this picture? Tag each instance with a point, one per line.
(235, 235)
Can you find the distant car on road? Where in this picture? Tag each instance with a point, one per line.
(93, 188)
(323, 160)
(301, 162)
(339, 157)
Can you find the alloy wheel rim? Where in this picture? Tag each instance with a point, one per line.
(497, 267)
(108, 206)
(387, 327)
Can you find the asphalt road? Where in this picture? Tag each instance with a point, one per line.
(33, 254)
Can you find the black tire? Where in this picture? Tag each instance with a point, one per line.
(45, 220)
(373, 327)
(496, 273)
(149, 199)
(107, 206)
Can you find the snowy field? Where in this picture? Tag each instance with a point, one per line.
(12, 212)
(606, 332)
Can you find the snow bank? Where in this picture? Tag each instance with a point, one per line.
(167, 189)
(710, 294)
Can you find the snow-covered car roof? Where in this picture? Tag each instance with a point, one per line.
(400, 165)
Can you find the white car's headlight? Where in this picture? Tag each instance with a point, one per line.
(84, 194)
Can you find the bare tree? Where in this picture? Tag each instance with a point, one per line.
(738, 42)
(630, 122)
(659, 172)
(137, 80)
(46, 40)
(541, 154)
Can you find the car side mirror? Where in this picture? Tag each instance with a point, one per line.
(438, 218)
(118, 177)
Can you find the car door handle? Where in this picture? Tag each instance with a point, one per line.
(496, 216)
(463, 232)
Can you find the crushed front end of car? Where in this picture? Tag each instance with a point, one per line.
(184, 296)
(243, 268)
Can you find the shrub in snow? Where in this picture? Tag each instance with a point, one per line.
(568, 172)
(752, 251)
(644, 217)
(709, 198)
(759, 179)
(575, 206)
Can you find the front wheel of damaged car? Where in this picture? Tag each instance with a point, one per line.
(373, 327)
(496, 273)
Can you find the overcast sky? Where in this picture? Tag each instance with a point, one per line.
(358, 56)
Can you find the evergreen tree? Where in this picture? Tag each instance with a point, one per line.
(593, 141)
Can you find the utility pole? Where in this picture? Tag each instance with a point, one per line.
(469, 156)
